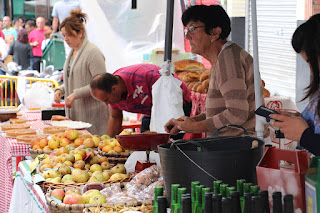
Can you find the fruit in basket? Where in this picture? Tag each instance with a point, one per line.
(96, 176)
(125, 132)
(36, 147)
(105, 165)
(44, 166)
(50, 174)
(96, 139)
(112, 151)
(77, 157)
(105, 137)
(103, 159)
(82, 153)
(79, 176)
(79, 141)
(46, 161)
(118, 177)
(72, 191)
(107, 174)
(89, 143)
(73, 199)
(47, 148)
(95, 167)
(57, 166)
(89, 194)
(70, 157)
(62, 150)
(94, 160)
(58, 193)
(53, 143)
(35, 141)
(85, 136)
(54, 180)
(71, 146)
(71, 134)
(67, 177)
(64, 170)
(118, 149)
(79, 164)
(43, 142)
(102, 144)
(113, 142)
(99, 199)
(119, 168)
(68, 163)
(64, 142)
(107, 148)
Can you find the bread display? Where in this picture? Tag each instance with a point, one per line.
(188, 65)
(205, 75)
(58, 118)
(205, 84)
(191, 76)
(17, 132)
(28, 138)
(6, 127)
(17, 120)
(195, 86)
(54, 129)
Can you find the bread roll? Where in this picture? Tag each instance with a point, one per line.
(17, 120)
(205, 84)
(15, 126)
(188, 65)
(205, 75)
(58, 118)
(191, 84)
(195, 86)
(201, 89)
(181, 74)
(16, 132)
(266, 93)
(191, 76)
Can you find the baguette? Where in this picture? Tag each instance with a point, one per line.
(15, 132)
(15, 126)
(54, 129)
(17, 120)
(28, 138)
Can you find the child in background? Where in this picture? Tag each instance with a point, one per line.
(47, 35)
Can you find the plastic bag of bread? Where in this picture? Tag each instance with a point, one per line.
(147, 176)
(109, 190)
(120, 199)
(187, 65)
(150, 189)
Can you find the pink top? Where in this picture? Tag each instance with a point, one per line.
(36, 35)
(139, 80)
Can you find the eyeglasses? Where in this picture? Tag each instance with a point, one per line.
(191, 29)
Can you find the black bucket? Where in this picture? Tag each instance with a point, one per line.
(225, 158)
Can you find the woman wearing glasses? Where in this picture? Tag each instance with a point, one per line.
(230, 97)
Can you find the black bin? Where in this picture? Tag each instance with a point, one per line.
(226, 158)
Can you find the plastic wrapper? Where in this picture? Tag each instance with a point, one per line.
(147, 176)
(120, 199)
(39, 95)
(110, 190)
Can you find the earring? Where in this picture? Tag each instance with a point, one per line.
(212, 40)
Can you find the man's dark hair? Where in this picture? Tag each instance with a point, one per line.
(104, 82)
(212, 16)
(31, 23)
(15, 20)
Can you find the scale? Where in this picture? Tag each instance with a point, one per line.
(143, 142)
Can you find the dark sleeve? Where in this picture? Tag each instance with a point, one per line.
(310, 141)
(11, 51)
(30, 52)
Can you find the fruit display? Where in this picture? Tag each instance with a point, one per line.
(80, 165)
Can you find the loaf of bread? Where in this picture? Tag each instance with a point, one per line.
(187, 65)
(16, 132)
(181, 74)
(205, 75)
(191, 84)
(17, 120)
(54, 129)
(205, 84)
(195, 86)
(58, 118)
(191, 76)
(6, 127)
(28, 138)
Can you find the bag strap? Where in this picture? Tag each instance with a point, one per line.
(216, 133)
(181, 141)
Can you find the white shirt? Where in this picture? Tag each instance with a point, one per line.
(62, 9)
(3, 49)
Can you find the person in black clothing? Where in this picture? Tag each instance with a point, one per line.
(21, 50)
(306, 127)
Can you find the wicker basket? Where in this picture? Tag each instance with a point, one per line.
(34, 153)
(115, 157)
(47, 185)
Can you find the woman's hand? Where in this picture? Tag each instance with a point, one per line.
(291, 126)
(70, 99)
(57, 96)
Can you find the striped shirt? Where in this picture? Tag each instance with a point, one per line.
(231, 97)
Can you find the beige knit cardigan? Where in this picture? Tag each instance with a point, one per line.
(88, 62)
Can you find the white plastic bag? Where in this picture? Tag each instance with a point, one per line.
(167, 99)
(141, 156)
(39, 95)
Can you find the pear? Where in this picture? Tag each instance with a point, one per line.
(55, 180)
(107, 174)
(64, 170)
(98, 175)
(118, 177)
(79, 176)
(51, 174)
(119, 168)
(66, 178)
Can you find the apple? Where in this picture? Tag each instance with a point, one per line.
(119, 168)
(105, 137)
(73, 199)
(78, 141)
(99, 199)
(77, 157)
(71, 134)
(103, 159)
(89, 194)
(58, 193)
(64, 142)
(102, 144)
(36, 147)
(79, 164)
(107, 148)
(118, 149)
(82, 153)
(72, 191)
(62, 150)
(35, 141)
(105, 165)
(96, 140)
(89, 143)
(95, 167)
(85, 136)
(53, 143)
(70, 157)
(43, 142)
(47, 148)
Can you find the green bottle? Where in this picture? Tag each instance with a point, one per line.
(223, 190)
(255, 190)
(199, 198)
(181, 191)
(229, 190)
(246, 187)
(194, 184)
(174, 193)
(203, 197)
(240, 183)
(158, 191)
(216, 186)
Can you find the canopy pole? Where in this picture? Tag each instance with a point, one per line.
(169, 29)
(257, 80)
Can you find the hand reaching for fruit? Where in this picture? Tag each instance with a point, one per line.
(70, 99)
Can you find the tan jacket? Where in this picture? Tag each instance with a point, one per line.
(88, 62)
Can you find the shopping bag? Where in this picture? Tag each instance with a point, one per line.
(39, 95)
(167, 99)
(284, 171)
